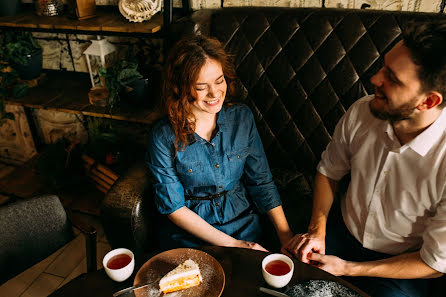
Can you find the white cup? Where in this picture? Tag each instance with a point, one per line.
(119, 274)
(277, 281)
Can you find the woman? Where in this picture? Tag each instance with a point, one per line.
(211, 173)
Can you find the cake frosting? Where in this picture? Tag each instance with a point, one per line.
(184, 276)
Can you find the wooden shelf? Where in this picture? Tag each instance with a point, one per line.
(107, 21)
(68, 92)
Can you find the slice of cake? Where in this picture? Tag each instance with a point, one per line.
(184, 276)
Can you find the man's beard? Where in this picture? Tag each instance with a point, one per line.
(402, 113)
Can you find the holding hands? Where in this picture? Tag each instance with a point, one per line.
(310, 248)
(302, 246)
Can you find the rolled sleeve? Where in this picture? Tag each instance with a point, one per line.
(433, 251)
(335, 162)
(258, 177)
(169, 192)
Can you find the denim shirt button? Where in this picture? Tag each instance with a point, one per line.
(220, 187)
(213, 144)
(190, 169)
(217, 166)
(217, 204)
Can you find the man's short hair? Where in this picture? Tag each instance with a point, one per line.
(427, 44)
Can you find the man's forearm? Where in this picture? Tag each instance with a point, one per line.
(405, 266)
(324, 192)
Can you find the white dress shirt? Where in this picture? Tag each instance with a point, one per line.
(396, 200)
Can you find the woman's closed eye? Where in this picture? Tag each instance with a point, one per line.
(220, 81)
(203, 87)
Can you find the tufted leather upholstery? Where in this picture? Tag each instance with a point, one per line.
(299, 70)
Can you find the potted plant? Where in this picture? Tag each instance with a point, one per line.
(23, 53)
(10, 85)
(110, 143)
(9, 7)
(118, 79)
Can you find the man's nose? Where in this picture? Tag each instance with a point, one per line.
(377, 78)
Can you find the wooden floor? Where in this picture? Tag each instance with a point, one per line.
(58, 269)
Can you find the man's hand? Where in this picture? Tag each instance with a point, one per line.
(404, 266)
(331, 264)
(302, 245)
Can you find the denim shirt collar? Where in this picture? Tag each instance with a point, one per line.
(221, 124)
(221, 118)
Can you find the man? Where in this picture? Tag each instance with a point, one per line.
(392, 238)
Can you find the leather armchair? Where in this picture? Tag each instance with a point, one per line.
(34, 228)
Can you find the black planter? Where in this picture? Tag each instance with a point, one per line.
(9, 7)
(138, 91)
(33, 68)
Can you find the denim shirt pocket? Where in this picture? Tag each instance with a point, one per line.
(237, 162)
(191, 174)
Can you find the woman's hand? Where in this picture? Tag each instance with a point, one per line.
(287, 244)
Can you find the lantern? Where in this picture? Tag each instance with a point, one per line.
(99, 48)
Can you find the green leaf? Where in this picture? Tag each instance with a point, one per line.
(16, 45)
(110, 137)
(8, 79)
(128, 75)
(102, 71)
(9, 116)
(20, 90)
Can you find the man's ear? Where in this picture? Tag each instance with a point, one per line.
(432, 100)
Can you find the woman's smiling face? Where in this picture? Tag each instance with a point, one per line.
(209, 90)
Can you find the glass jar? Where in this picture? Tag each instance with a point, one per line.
(48, 7)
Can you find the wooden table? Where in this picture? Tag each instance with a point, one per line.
(242, 269)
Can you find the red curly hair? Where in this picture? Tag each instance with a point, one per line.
(183, 65)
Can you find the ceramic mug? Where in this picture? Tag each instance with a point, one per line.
(277, 270)
(119, 264)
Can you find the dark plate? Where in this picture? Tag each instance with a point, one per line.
(318, 288)
(159, 265)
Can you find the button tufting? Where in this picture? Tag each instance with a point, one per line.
(294, 78)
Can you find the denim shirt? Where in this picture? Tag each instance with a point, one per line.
(233, 161)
